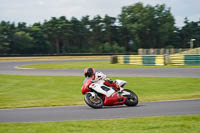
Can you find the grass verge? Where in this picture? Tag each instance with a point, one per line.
(39, 58)
(38, 91)
(158, 124)
(96, 64)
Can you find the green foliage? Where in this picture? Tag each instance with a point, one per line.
(108, 48)
(145, 25)
(7, 31)
(191, 30)
(149, 26)
(4, 47)
(118, 49)
(41, 45)
(23, 42)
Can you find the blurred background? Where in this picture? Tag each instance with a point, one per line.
(48, 27)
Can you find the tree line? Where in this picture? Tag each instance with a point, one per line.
(137, 26)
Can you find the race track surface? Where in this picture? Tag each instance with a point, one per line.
(11, 68)
(86, 113)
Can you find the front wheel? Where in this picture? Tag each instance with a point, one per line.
(93, 101)
(132, 99)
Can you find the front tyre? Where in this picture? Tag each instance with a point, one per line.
(132, 99)
(93, 101)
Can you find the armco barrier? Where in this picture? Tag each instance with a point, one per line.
(192, 59)
(185, 59)
(176, 59)
(159, 59)
(141, 60)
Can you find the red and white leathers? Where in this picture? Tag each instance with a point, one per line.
(107, 81)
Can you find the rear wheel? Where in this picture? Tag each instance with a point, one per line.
(93, 101)
(132, 99)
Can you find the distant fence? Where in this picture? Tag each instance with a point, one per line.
(141, 60)
(184, 59)
(157, 59)
(167, 51)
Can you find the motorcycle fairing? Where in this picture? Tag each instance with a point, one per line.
(111, 97)
(124, 93)
(98, 88)
(114, 99)
(85, 87)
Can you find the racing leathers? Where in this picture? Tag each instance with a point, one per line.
(108, 82)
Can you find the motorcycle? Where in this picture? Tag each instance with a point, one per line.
(97, 95)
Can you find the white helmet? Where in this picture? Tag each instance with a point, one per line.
(100, 76)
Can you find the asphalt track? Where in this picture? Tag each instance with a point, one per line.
(11, 68)
(86, 113)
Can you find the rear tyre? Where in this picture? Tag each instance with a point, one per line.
(94, 102)
(132, 99)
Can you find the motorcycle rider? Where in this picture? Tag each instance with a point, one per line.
(89, 72)
(97, 76)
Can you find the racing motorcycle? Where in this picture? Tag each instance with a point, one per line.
(97, 95)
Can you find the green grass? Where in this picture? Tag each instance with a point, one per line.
(37, 91)
(39, 58)
(160, 124)
(30, 91)
(96, 64)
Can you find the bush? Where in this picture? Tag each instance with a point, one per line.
(108, 48)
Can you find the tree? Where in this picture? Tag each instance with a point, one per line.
(149, 26)
(23, 43)
(41, 45)
(4, 46)
(107, 48)
(57, 30)
(138, 26)
(87, 32)
(96, 28)
(7, 31)
(109, 29)
(191, 30)
(78, 38)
